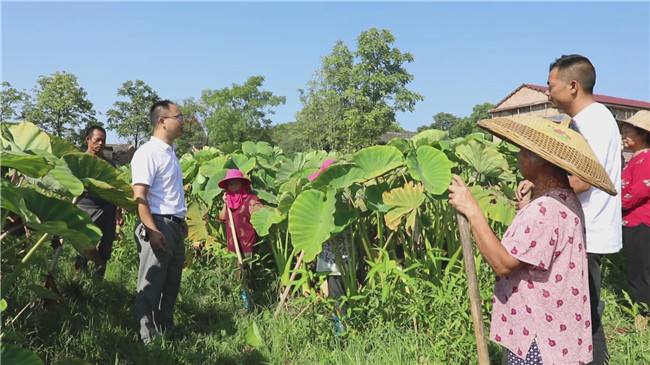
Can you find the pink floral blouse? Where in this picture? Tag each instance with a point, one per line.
(548, 299)
(635, 192)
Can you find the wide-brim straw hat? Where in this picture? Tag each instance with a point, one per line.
(640, 119)
(234, 174)
(555, 142)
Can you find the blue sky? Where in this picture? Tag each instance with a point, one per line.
(466, 53)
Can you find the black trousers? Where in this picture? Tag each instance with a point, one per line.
(601, 356)
(637, 247)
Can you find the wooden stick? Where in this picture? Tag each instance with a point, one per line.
(240, 260)
(288, 287)
(472, 283)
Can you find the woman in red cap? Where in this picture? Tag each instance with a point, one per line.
(242, 204)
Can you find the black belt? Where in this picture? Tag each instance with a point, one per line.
(173, 218)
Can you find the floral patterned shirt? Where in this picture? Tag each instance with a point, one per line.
(635, 192)
(547, 299)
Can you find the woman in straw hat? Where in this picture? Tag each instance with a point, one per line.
(635, 196)
(541, 310)
(242, 204)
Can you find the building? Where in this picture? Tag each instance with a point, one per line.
(121, 154)
(530, 99)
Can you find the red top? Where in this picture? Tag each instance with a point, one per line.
(245, 231)
(635, 193)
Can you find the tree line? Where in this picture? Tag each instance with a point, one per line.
(352, 100)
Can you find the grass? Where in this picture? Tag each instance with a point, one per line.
(96, 321)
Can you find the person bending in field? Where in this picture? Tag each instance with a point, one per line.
(242, 204)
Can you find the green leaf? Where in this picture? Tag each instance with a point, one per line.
(266, 196)
(485, 160)
(61, 147)
(196, 222)
(214, 165)
(30, 165)
(243, 163)
(54, 216)
(432, 167)
(406, 200)
(377, 160)
(429, 137)
(101, 179)
(374, 200)
(253, 337)
(263, 219)
(402, 144)
(60, 179)
(3, 305)
(311, 221)
(212, 188)
(26, 136)
(259, 148)
(12, 354)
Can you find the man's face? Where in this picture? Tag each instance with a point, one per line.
(174, 121)
(559, 91)
(96, 142)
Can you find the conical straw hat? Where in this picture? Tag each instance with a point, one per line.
(554, 142)
(640, 119)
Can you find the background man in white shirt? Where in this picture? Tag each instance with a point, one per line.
(571, 82)
(161, 229)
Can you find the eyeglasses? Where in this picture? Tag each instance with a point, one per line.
(180, 118)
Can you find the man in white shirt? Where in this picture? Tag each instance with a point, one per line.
(161, 229)
(571, 82)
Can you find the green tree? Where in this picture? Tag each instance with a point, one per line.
(468, 125)
(61, 107)
(193, 132)
(442, 121)
(239, 113)
(12, 103)
(130, 119)
(354, 103)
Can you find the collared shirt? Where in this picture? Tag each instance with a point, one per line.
(155, 164)
(603, 215)
(547, 299)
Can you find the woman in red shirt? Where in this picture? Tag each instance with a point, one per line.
(242, 204)
(635, 195)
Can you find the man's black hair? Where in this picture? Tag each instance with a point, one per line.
(576, 67)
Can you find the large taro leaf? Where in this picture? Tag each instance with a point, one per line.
(196, 229)
(432, 167)
(25, 136)
(30, 165)
(263, 219)
(402, 144)
(60, 179)
(259, 148)
(101, 179)
(253, 336)
(209, 168)
(12, 354)
(293, 168)
(377, 160)
(54, 216)
(374, 200)
(311, 221)
(406, 201)
(266, 196)
(343, 214)
(61, 147)
(243, 163)
(212, 188)
(190, 168)
(428, 137)
(339, 175)
(494, 204)
(484, 159)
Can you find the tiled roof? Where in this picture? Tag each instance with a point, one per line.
(605, 99)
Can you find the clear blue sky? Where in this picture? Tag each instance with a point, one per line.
(466, 53)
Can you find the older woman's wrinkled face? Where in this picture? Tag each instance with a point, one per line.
(632, 139)
(234, 185)
(528, 163)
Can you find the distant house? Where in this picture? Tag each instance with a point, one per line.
(384, 138)
(530, 99)
(121, 154)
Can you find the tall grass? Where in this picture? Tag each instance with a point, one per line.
(430, 326)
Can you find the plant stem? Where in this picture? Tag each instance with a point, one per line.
(6, 283)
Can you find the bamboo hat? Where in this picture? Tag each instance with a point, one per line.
(640, 119)
(555, 142)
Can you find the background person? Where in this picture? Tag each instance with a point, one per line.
(635, 195)
(571, 81)
(242, 204)
(104, 214)
(161, 228)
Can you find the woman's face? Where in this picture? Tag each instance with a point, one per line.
(526, 164)
(234, 185)
(632, 139)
